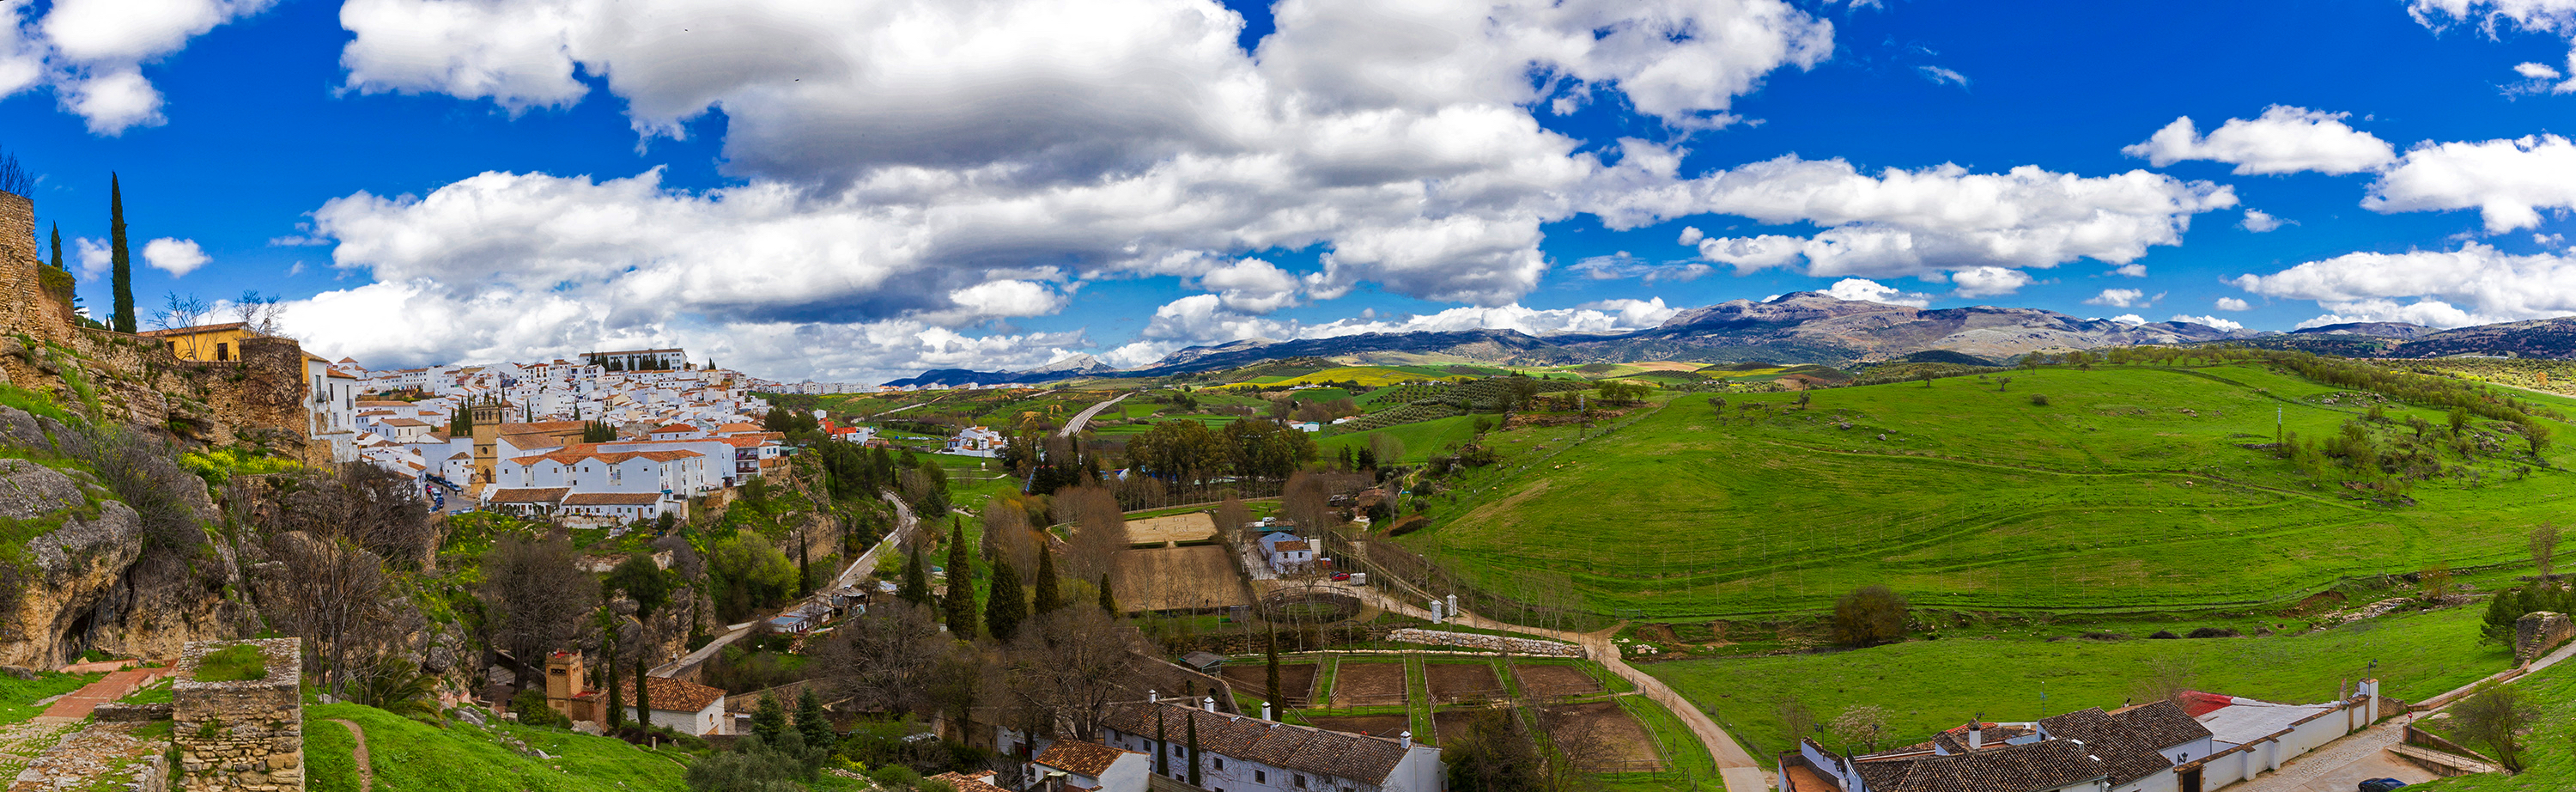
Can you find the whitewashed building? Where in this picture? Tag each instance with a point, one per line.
(1239, 753)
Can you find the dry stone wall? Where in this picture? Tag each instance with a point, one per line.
(245, 736)
(1527, 646)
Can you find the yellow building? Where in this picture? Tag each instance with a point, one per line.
(204, 342)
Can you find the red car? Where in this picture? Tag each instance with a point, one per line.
(1341, 576)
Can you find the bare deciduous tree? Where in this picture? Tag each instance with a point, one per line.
(1862, 726)
(2544, 547)
(1100, 531)
(885, 658)
(538, 595)
(334, 595)
(2163, 679)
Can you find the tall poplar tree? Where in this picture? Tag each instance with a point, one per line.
(961, 584)
(123, 274)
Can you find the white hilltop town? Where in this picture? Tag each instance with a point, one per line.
(611, 437)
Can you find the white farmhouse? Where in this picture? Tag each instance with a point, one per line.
(1245, 754)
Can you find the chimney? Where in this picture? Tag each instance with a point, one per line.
(1152, 697)
(1265, 711)
(1407, 737)
(1976, 735)
(1207, 703)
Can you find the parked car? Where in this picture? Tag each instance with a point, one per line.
(1341, 576)
(2381, 785)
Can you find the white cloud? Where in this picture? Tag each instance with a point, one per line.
(2233, 304)
(1622, 265)
(2492, 16)
(2131, 269)
(2130, 319)
(175, 256)
(2536, 71)
(92, 52)
(1924, 223)
(2261, 222)
(905, 159)
(2222, 324)
(1691, 235)
(1866, 290)
(1941, 76)
(96, 258)
(2494, 286)
(2283, 140)
(1989, 281)
(1201, 319)
(2124, 298)
(2507, 181)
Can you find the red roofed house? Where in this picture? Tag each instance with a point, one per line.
(683, 706)
(1092, 767)
(678, 432)
(1246, 754)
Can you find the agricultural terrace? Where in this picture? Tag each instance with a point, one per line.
(2130, 488)
(2418, 655)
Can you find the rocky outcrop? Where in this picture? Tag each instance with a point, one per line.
(2538, 632)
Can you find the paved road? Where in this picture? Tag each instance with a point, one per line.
(1735, 766)
(904, 525)
(2343, 764)
(1074, 427)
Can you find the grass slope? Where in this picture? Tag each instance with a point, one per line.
(1920, 683)
(1421, 439)
(2131, 490)
(409, 755)
(18, 697)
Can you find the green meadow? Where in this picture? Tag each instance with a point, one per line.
(2132, 489)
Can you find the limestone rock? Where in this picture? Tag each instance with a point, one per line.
(29, 490)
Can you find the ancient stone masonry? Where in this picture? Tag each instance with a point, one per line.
(1527, 646)
(246, 735)
(2538, 632)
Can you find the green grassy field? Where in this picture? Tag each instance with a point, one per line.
(409, 755)
(2549, 755)
(1421, 439)
(1920, 682)
(2130, 490)
(18, 697)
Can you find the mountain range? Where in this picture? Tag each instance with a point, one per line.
(1811, 327)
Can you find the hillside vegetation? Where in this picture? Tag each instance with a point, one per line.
(2131, 488)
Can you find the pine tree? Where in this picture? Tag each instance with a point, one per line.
(916, 580)
(1005, 606)
(1048, 599)
(769, 720)
(123, 273)
(811, 723)
(1108, 603)
(961, 584)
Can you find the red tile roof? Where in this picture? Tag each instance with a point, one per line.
(613, 499)
(1081, 757)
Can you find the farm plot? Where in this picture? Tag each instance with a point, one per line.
(1296, 681)
(1602, 737)
(1451, 725)
(1371, 725)
(1197, 578)
(1368, 685)
(1549, 681)
(1455, 682)
(1190, 527)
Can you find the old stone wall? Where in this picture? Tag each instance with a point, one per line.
(245, 736)
(2538, 632)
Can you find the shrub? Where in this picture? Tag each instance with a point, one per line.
(233, 663)
(2039, 399)
(531, 707)
(1870, 616)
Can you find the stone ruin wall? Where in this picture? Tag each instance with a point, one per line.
(259, 398)
(245, 736)
(2538, 632)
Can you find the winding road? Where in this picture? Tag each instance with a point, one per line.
(904, 526)
(1074, 427)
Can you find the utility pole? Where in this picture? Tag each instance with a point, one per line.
(2276, 426)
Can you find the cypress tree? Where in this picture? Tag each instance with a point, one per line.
(1004, 606)
(916, 580)
(811, 723)
(1162, 744)
(123, 274)
(608, 656)
(643, 695)
(1278, 707)
(1194, 750)
(1048, 599)
(1108, 603)
(961, 584)
(58, 246)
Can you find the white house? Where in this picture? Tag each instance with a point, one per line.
(1287, 553)
(331, 407)
(2131, 749)
(976, 441)
(1092, 767)
(1245, 754)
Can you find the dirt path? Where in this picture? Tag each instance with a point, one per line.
(366, 768)
(1735, 766)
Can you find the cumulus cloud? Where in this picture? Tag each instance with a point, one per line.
(2283, 140)
(2130, 319)
(96, 257)
(2476, 284)
(2509, 182)
(1201, 319)
(1252, 286)
(2131, 269)
(92, 52)
(175, 256)
(2233, 304)
(1623, 265)
(2260, 222)
(1866, 290)
(1989, 281)
(2222, 324)
(2124, 298)
(2556, 17)
(2536, 71)
(1925, 223)
(1691, 235)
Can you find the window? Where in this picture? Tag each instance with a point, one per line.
(1301, 780)
(223, 351)
(1259, 777)
(1220, 764)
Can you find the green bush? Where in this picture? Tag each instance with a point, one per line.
(218, 466)
(531, 706)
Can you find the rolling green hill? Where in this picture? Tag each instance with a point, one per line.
(2133, 488)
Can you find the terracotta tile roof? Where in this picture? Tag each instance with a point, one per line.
(1302, 748)
(2129, 743)
(1081, 757)
(980, 782)
(178, 331)
(2050, 764)
(531, 495)
(739, 427)
(2162, 724)
(613, 499)
(671, 695)
(675, 428)
(1291, 547)
(403, 422)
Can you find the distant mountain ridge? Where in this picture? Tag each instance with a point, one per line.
(1815, 328)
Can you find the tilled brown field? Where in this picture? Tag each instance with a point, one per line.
(1372, 725)
(1553, 681)
(1368, 685)
(1612, 741)
(1454, 682)
(1296, 681)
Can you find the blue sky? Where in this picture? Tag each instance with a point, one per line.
(858, 190)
